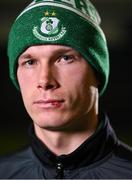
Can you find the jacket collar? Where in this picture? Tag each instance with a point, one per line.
(100, 144)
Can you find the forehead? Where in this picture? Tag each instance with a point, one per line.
(49, 49)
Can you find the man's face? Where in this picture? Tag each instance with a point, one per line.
(58, 86)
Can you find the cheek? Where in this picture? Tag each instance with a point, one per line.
(81, 84)
(77, 80)
(26, 86)
(25, 80)
(77, 85)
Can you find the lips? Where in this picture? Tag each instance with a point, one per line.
(50, 103)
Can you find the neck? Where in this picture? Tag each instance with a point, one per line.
(65, 142)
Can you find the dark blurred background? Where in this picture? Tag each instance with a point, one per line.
(117, 25)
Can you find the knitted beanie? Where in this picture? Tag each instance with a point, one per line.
(74, 23)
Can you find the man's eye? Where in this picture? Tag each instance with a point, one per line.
(30, 62)
(67, 58)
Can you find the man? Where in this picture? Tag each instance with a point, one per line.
(59, 61)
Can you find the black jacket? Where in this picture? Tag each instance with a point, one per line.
(102, 156)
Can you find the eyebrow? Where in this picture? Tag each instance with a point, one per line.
(61, 51)
(26, 55)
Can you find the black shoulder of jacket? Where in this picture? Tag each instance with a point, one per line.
(124, 151)
(18, 164)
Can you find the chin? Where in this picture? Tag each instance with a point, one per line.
(51, 122)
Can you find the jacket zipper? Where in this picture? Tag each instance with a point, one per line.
(59, 171)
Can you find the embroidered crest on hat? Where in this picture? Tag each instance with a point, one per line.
(51, 28)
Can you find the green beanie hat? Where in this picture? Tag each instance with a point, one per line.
(74, 23)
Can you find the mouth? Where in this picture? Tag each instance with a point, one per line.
(50, 103)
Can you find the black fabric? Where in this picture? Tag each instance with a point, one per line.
(102, 156)
(92, 150)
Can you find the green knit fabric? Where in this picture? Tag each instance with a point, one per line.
(58, 22)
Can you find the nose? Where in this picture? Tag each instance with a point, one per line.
(47, 79)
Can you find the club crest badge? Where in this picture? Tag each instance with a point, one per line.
(50, 29)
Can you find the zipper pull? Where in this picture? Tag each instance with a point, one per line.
(59, 171)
